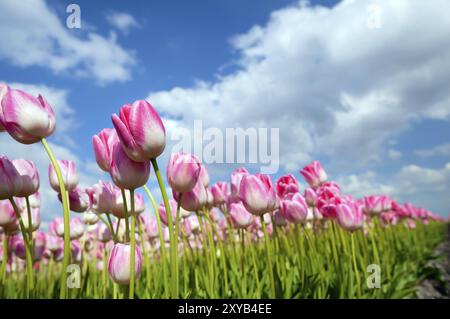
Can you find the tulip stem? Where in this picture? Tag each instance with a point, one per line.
(66, 211)
(269, 258)
(162, 247)
(173, 254)
(28, 258)
(133, 244)
(4, 257)
(30, 222)
(125, 212)
(111, 227)
(358, 284)
(175, 249)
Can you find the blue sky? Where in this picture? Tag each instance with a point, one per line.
(370, 103)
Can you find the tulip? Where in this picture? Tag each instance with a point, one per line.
(3, 89)
(76, 251)
(286, 184)
(103, 145)
(192, 225)
(28, 176)
(314, 174)
(294, 208)
(78, 199)
(310, 197)
(127, 173)
(150, 226)
(327, 202)
(76, 227)
(103, 196)
(26, 118)
(7, 214)
(10, 181)
(69, 175)
(240, 217)
(40, 243)
(373, 205)
(139, 204)
(235, 182)
(204, 176)
(140, 130)
(278, 219)
(220, 193)
(35, 200)
(350, 216)
(90, 218)
(183, 171)
(54, 243)
(119, 263)
(117, 208)
(258, 194)
(195, 199)
(103, 233)
(173, 210)
(35, 219)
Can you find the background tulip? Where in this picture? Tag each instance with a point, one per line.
(26, 118)
(127, 173)
(89, 218)
(257, 194)
(7, 214)
(29, 177)
(240, 217)
(102, 196)
(35, 219)
(314, 174)
(286, 184)
(294, 208)
(103, 145)
(173, 210)
(373, 205)
(68, 172)
(220, 193)
(10, 181)
(235, 182)
(183, 171)
(140, 130)
(310, 197)
(350, 216)
(195, 199)
(78, 199)
(119, 263)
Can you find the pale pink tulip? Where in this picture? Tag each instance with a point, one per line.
(119, 263)
(10, 181)
(103, 145)
(258, 194)
(68, 172)
(314, 174)
(350, 216)
(29, 177)
(183, 171)
(294, 208)
(239, 216)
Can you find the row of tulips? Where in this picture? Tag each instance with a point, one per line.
(242, 238)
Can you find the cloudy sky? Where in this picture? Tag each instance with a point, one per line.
(360, 85)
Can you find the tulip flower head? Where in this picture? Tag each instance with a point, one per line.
(119, 263)
(235, 182)
(258, 194)
(239, 216)
(294, 208)
(26, 118)
(286, 184)
(140, 130)
(68, 172)
(350, 216)
(78, 199)
(29, 177)
(7, 214)
(314, 174)
(10, 181)
(183, 171)
(103, 145)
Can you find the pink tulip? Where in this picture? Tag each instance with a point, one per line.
(314, 174)
(140, 130)
(239, 216)
(35, 219)
(104, 233)
(10, 181)
(35, 200)
(310, 197)
(258, 194)
(29, 177)
(410, 223)
(40, 243)
(117, 208)
(327, 202)
(204, 176)
(102, 196)
(78, 199)
(389, 218)
(103, 145)
(191, 225)
(235, 182)
(3, 89)
(220, 193)
(26, 118)
(76, 227)
(127, 173)
(119, 263)
(279, 219)
(150, 226)
(373, 205)
(183, 171)
(173, 210)
(350, 216)
(286, 184)
(54, 242)
(195, 199)
(294, 208)
(7, 214)
(139, 204)
(68, 172)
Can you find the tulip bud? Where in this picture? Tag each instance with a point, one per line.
(235, 182)
(350, 216)
(102, 196)
(239, 216)
(78, 200)
(119, 263)
(89, 218)
(68, 172)
(29, 177)
(314, 174)
(204, 176)
(76, 227)
(26, 118)
(310, 197)
(127, 173)
(220, 193)
(195, 199)
(373, 205)
(286, 184)
(140, 130)
(103, 145)
(35, 219)
(10, 181)
(35, 200)
(183, 171)
(258, 194)
(294, 208)
(173, 211)
(7, 213)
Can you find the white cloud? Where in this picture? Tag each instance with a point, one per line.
(332, 85)
(122, 21)
(394, 154)
(33, 35)
(439, 150)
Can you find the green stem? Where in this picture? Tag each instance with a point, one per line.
(5, 256)
(358, 283)
(66, 210)
(169, 221)
(133, 244)
(269, 258)
(175, 287)
(125, 212)
(111, 227)
(162, 247)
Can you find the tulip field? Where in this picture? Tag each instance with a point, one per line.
(252, 236)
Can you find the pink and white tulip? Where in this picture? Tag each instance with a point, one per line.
(350, 216)
(314, 174)
(29, 177)
(294, 208)
(183, 171)
(78, 199)
(119, 263)
(68, 172)
(103, 145)
(286, 184)
(10, 181)
(258, 194)
(239, 216)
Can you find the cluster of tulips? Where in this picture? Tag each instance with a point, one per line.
(222, 233)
